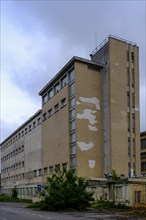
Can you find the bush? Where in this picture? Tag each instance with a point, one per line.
(65, 191)
(14, 193)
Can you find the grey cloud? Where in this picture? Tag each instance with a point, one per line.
(68, 29)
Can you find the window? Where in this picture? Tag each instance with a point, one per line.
(129, 169)
(72, 137)
(143, 144)
(72, 102)
(143, 155)
(22, 148)
(51, 169)
(50, 112)
(72, 113)
(127, 55)
(45, 98)
(133, 77)
(72, 125)
(57, 167)
(128, 99)
(73, 161)
(64, 166)
(34, 124)
(133, 122)
(35, 173)
(39, 121)
(40, 172)
(128, 121)
(29, 128)
(25, 130)
(132, 57)
(64, 81)
(56, 87)
(50, 93)
(137, 196)
(72, 89)
(71, 75)
(73, 149)
(45, 170)
(44, 116)
(133, 99)
(63, 102)
(143, 166)
(128, 77)
(56, 107)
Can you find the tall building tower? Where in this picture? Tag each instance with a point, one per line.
(120, 99)
(91, 113)
(89, 121)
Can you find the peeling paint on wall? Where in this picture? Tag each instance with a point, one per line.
(85, 146)
(78, 103)
(88, 114)
(92, 100)
(91, 163)
(92, 128)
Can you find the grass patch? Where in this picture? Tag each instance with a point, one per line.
(7, 198)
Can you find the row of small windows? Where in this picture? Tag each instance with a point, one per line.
(13, 178)
(13, 167)
(22, 133)
(34, 173)
(13, 153)
(67, 78)
(28, 191)
(54, 109)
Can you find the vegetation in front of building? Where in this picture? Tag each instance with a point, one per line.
(64, 191)
(107, 204)
(13, 197)
(115, 177)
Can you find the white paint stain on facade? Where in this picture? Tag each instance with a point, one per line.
(91, 163)
(88, 114)
(92, 100)
(92, 128)
(78, 103)
(85, 146)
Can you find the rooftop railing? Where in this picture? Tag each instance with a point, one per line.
(102, 44)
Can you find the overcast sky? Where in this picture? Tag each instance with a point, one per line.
(39, 37)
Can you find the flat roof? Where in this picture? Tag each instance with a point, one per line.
(105, 41)
(21, 126)
(66, 67)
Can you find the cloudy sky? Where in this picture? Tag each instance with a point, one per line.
(39, 37)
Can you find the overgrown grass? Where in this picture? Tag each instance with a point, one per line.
(7, 198)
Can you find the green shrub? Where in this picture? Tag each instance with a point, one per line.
(65, 191)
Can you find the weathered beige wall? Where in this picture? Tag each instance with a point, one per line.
(118, 106)
(55, 132)
(88, 120)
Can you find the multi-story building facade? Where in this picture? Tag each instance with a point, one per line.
(143, 152)
(21, 158)
(89, 119)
